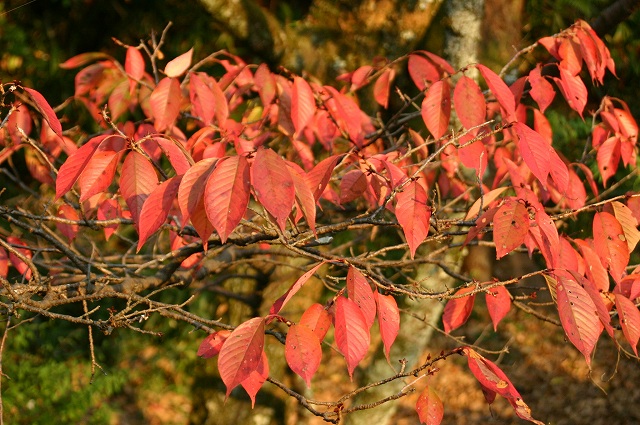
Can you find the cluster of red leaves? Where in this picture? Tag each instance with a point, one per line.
(191, 148)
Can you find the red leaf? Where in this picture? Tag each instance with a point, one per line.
(594, 269)
(351, 332)
(304, 198)
(75, 165)
(422, 71)
(510, 227)
(175, 153)
(284, 299)
(498, 304)
(629, 224)
(469, 103)
(576, 309)
(541, 90)
(493, 379)
(573, 90)
(352, 185)
(598, 298)
(458, 310)
(256, 378)
(436, 108)
(100, 170)
(629, 320)
(4, 263)
(485, 201)
(483, 221)
(610, 244)
(68, 230)
(608, 158)
(500, 90)
(382, 87)
(222, 105)
(108, 210)
(212, 344)
(226, 194)
(273, 185)
(45, 109)
(134, 64)
(303, 352)
(156, 207)
(318, 178)
(346, 113)
(413, 214)
(193, 185)
(203, 102)
(318, 319)
(388, 320)
(303, 104)
(83, 59)
(20, 265)
(165, 103)
(429, 407)
(138, 179)
(266, 84)
(177, 66)
(201, 223)
(535, 152)
(360, 292)
(241, 353)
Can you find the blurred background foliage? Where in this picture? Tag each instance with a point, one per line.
(151, 379)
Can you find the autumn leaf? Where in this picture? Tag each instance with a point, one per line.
(436, 108)
(284, 299)
(457, 311)
(498, 303)
(256, 379)
(318, 319)
(352, 185)
(351, 332)
(241, 353)
(629, 320)
(75, 165)
(203, 101)
(422, 71)
(193, 186)
(382, 87)
(541, 90)
(45, 109)
(226, 194)
(469, 103)
(165, 102)
(429, 407)
(212, 344)
(413, 214)
(493, 380)
(138, 179)
(69, 230)
(177, 66)
(388, 320)
(303, 104)
(628, 222)
(576, 308)
(156, 208)
(610, 244)
(500, 90)
(100, 170)
(303, 352)
(510, 227)
(535, 152)
(273, 185)
(359, 291)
